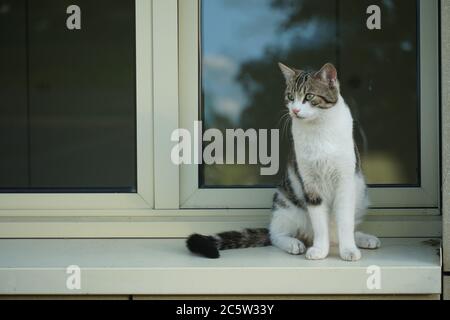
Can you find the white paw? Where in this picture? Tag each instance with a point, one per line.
(368, 241)
(296, 247)
(350, 254)
(315, 253)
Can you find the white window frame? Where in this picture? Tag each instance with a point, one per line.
(168, 202)
(425, 196)
(143, 199)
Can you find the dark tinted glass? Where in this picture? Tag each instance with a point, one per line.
(68, 109)
(242, 87)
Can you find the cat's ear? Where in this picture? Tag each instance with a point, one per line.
(288, 73)
(328, 74)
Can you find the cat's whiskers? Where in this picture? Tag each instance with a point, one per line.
(282, 114)
(285, 122)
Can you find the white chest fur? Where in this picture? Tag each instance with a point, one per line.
(325, 148)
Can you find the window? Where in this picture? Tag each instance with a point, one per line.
(54, 138)
(387, 76)
(68, 119)
(87, 115)
(241, 83)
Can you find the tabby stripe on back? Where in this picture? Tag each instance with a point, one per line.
(278, 202)
(287, 190)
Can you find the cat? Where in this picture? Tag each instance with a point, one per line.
(323, 196)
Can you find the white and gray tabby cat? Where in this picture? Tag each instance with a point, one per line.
(323, 196)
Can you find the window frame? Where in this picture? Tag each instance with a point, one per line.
(143, 198)
(162, 212)
(425, 196)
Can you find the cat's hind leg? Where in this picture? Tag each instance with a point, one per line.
(366, 241)
(284, 228)
(289, 244)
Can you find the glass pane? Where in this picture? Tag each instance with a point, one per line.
(71, 108)
(13, 94)
(242, 87)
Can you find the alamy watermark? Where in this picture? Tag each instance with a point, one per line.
(374, 20)
(73, 21)
(236, 146)
(374, 279)
(73, 280)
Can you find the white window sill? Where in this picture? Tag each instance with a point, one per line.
(164, 267)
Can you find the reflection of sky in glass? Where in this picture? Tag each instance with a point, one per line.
(232, 36)
(243, 39)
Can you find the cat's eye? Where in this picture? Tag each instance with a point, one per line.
(290, 97)
(310, 96)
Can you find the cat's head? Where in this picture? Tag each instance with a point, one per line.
(310, 94)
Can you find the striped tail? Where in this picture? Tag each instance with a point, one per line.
(209, 246)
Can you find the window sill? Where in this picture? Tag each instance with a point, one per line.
(164, 267)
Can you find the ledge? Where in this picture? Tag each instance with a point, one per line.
(164, 267)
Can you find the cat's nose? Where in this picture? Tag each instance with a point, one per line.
(296, 111)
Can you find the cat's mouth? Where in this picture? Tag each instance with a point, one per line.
(297, 116)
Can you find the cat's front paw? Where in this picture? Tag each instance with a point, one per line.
(350, 254)
(315, 253)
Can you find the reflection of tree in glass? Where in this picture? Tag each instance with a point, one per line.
(378, 75)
